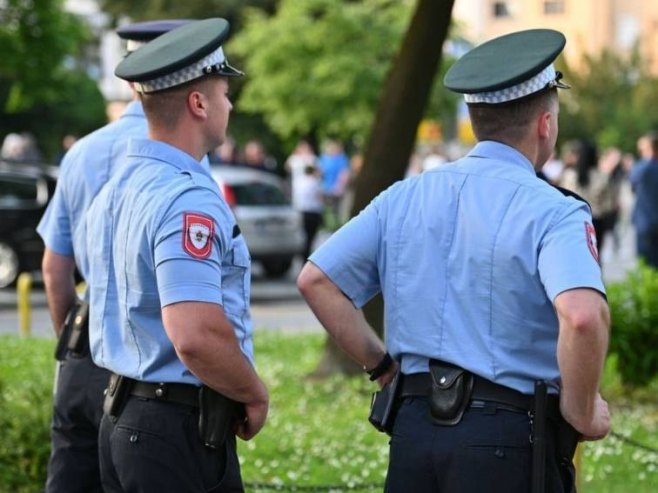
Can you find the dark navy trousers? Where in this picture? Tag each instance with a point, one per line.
(489, 451)
(155, 447)
(77, 411)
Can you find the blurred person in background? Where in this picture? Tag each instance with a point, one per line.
(644, 180)
(583, 175)
(435, 158)
(335, 168)
(227, 153)
(301, 157)
(13, 147)
(307, 198)
(306, 185)
(67, 142)
(254, 155)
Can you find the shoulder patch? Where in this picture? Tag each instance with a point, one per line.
(590, 235)
(198, 232)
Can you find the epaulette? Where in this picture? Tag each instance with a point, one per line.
(564, 191)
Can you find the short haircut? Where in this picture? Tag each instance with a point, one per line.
(508, 122)
(165, 108)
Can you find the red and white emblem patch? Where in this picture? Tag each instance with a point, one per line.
(198, 232)
(590, 234)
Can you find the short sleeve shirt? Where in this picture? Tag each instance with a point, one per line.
(86, 167)
(469, 258)
(160, 233)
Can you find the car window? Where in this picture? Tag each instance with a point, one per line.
(258, 194)
(18, 191)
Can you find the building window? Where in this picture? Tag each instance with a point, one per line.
(553, 7)
(501, 9)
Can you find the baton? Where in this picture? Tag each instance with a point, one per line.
(539, 439)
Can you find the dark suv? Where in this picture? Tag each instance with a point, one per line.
(25, 190)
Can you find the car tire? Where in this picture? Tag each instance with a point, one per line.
(277, 268)
(9, 265)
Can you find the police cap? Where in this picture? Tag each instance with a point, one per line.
(142, 32)
(179, 56)
(509, 67)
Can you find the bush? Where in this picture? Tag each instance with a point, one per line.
(634, 339)
(26, 376)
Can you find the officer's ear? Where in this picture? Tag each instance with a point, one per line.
(197, 104)
(545, 122)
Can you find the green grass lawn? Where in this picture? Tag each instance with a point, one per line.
(317, 432)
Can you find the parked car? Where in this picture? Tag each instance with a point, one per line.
(25, 190)
(272, 229)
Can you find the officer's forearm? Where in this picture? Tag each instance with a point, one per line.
(58, 278)
(582, 346)
(345, 323)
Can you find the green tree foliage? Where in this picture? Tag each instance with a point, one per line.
(174, 9)
(36, 38)
(317, 66)
(611, 100)
(42, 89)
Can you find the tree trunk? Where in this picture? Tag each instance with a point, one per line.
(403, 101)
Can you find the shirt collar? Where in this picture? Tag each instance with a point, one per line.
(134, 108)
(161, 151)
(489, 149)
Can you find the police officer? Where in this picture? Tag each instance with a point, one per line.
(73, 465)
(491, 283)
(169, 280)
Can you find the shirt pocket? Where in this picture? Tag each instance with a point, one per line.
(236, 278)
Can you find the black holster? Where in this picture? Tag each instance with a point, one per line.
(450, 394)
(383, 406)
(74, 337)
(217, 416)
(116, 395)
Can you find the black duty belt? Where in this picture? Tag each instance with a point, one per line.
(420, 385)
(180, 393)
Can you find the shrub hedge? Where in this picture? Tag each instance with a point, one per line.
(634, 338)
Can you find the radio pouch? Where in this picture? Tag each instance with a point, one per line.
(116, 395)
(217, 416)
(382, 406)
(450, 394)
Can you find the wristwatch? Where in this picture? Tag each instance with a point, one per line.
(381, 368)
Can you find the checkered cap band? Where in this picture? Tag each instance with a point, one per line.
(183, 75)
(530, 86)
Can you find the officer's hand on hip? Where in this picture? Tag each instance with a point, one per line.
(595, 428)
(600, 425)
(388, 375)
(256, 414)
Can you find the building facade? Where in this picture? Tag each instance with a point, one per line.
(589, 25)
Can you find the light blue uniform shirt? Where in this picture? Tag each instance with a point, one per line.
(469, 258)
(86, 167)
(142, 256)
